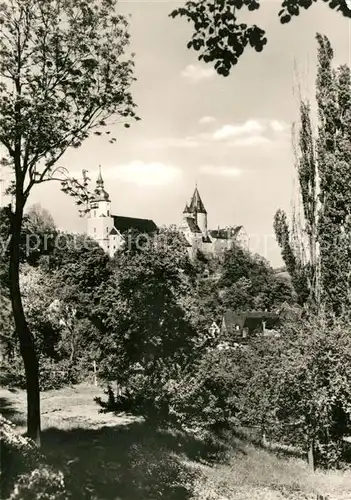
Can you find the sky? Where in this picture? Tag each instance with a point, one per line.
(231, 136)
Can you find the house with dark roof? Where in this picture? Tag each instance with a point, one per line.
(107, 229)
(239, 325)
(210, 241)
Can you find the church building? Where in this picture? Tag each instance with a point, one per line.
(107, 229)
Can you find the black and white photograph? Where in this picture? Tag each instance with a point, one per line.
(175, 249)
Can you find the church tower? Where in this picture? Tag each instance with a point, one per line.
(100, 221)
(198, 210)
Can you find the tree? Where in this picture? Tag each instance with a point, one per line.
(64, 73)
(333, 153)
(313, 388)
(41, 219)
(292, 257)
(249, 282)
(316, 249)
(221, 39)
(150, 323)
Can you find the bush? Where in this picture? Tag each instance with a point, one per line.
(141, 398)
(24, 473)
(52, 374)
(199, 399)
(12, 373)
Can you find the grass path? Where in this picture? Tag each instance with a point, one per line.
(107, 457)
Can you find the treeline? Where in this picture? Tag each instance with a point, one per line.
(143, 308)
(144, 317)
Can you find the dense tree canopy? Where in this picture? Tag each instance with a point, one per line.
(249, 282)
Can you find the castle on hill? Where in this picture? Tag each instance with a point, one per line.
(108, 229)
(199, 237)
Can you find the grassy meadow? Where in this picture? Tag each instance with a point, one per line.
(110, 457)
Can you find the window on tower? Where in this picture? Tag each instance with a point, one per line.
(94, 213)
(108, 213)
(94, 229)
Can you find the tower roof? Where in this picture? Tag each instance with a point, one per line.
(99, 180)
(186, 209)
(100, 193)
(196, 204)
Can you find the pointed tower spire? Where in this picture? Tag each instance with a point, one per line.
(99, 180)
(100, 193)
(196, 204)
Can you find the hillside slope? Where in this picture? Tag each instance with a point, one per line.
(121, 458)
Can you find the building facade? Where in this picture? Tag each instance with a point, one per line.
(109, 230)
(209, 241)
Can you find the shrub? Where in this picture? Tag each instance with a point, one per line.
(12, 372)
(199, 398)
(52, 374)
(24, 473)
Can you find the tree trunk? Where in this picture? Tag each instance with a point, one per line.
(263, 437)
(26, 339)
(311, 456)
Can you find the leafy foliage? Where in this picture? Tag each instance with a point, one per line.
(317, 252)
(220, 38)
(248, 282)
(24, 473)
(56, 294)
(67, 62)
(333, 154)
(146, 308)
(295, 265)
(314, 394)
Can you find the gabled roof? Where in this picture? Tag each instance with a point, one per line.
(114, 231)
(194, 228)
(250, 319)
(123, 224)
(196, 204)
(225, 233)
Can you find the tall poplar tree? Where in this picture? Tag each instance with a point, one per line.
(324, 176)
(333, 152)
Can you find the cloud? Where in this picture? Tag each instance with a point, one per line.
(278, 126)
(173, 142)
(253, 132)
(144, 173)
(220, 170)
(207, 119)
(196, 73)
(248, 127)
